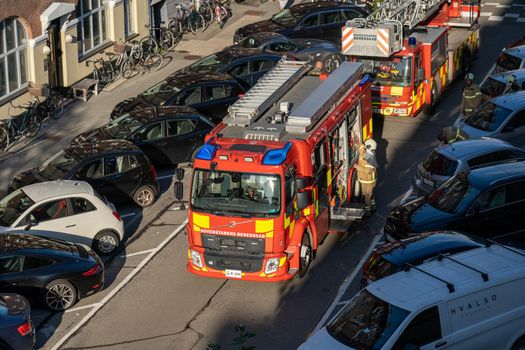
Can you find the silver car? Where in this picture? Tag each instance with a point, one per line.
(502, 117)
(449, 160)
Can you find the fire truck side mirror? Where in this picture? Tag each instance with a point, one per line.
(300, 183)
(301, 200)
(179, 174)
(178, 188)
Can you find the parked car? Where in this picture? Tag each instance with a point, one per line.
(246, 64)
(16, 328)
(116, 169)
(317, 20)
(55, 272)
(314, 50)
(209, 93)
(475, 301)
(65, 209)
(448, 160)
(390, 258)
(167, 135)
(510, 58)
(502, 117)
(496, 83)
(487, 202)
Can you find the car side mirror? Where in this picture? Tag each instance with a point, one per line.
(508, 128)
(31, 221)
(301, 200)
(300, 183)
(420, 74)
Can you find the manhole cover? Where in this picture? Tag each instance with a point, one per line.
(254, 13)
(192, 57)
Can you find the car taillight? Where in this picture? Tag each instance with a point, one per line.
(240, 95)
(95, 269)
(153, 172)
(24, 329)
(117, 215)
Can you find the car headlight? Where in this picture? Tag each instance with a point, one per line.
(196, 258)
(271, 265)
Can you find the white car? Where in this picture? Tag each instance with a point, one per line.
(69, 210)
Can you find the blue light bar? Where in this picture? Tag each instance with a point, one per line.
(207, 151)
(276, 156)
(412, 41)
(364, 80)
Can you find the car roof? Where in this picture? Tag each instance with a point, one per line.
(51, 189)
(510, 101)
(184, 79)
(472, 147)
(427, 244)
(518, 51)
(19, 241)
(519, 74)
(307, 7)
(264, 36)
(235, 53)
(414, 290)
(486, 177)
(157, 112)
(86, 150)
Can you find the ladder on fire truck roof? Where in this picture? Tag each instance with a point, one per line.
(381, 33)
(266, 92)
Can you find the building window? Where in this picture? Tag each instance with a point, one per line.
(13, 57)
(129, 18)
(92, 20)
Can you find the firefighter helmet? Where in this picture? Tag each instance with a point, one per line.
(371, 145)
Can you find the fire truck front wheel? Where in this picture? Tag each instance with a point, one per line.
(305, 256)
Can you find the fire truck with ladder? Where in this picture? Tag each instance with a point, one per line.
(277, 175)
(413, 50)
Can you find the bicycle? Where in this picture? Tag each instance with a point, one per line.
(53, 105)
(14, 129)
(187, 20)
(103, 71)
(215, 11)
(142, 59)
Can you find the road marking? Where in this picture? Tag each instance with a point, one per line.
(512, 15)
(496, 18)
(346, 284)
(405, 197)
(128, 214)
(137, 253)
(485, 14)
(503, 6)
(121, 285)
(492, 3)
(82, 307)
(520, 19)
(165, 177)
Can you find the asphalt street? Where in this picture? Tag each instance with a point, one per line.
(151, 301)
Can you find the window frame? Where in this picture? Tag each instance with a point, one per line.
(129, 18)
(101, 12)
(26, 217)
(17, 52)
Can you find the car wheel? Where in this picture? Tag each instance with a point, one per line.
(519, 344)
(331, 63)
(105, 242)
(305, 255)
(60, 295)
(144, 196)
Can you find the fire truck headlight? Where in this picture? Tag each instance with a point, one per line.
(271, 265)
(196, 258)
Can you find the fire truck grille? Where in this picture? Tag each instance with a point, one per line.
(233, 262)
(233, 245)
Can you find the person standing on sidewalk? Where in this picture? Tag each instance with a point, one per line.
(366, 175)
(472, 96)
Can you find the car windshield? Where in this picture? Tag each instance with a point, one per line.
(57, 166)
(507, 62)
(158, 94)
(492, 87)
(249, 43)
(377, 267)
(367, 322)
(286, 18)
(390, 72)
(12, 206)
(452, 193)
(122, 126)
(210, 63)
(488, 117)
(233, 193)
(438, 164)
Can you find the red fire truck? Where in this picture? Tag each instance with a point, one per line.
(277, 175)
(413, 49)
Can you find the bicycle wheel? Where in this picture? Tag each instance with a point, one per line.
(108, 72)
(129, 69)
(207, 13)
(167, 41)
(196, 23)
(149, 44)
(4, 139)
(33, 124)
(55, 105)
(153, 62)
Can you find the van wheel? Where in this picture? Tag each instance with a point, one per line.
(105, 242)
(144, 196)
(519, 344)
(305, 255)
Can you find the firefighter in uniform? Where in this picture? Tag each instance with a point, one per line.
(366, 175)
(472, 96)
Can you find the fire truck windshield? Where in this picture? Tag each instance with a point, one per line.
(390, 72)
(233, 193)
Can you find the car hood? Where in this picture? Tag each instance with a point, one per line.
(317, 45)
(91, 136)
(322, 340)
(261, 26)
(470, 131)
(428, 218)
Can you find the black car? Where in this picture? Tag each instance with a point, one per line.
(167, 135)
(16, 328)
(209, 93)
(117, 169)
(246, 64)
(318, 20)
(314, 50)
(55, 272)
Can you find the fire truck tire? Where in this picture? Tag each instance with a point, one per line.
(431, 107)
(356, 188)
(305, 255)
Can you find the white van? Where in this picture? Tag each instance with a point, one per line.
(469, 301)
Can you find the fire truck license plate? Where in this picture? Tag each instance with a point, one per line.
(233, 273)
